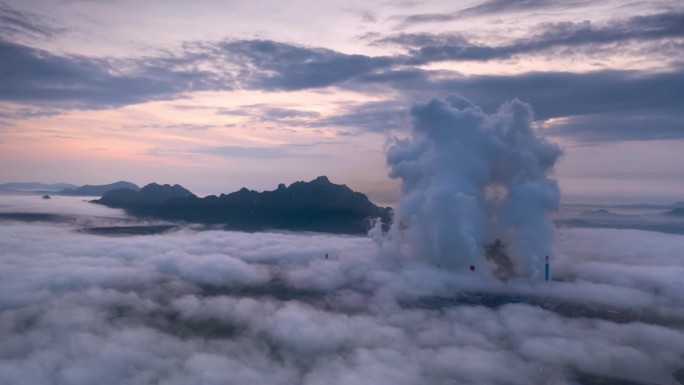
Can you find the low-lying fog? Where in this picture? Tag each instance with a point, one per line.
(219, 307)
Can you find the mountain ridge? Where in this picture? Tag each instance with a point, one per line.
(98, 190)
(317, 205)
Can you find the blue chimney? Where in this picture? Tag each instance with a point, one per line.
(546, 270)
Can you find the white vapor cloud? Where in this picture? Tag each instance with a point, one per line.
(469, 179)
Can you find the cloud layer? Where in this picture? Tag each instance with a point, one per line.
(223, 307)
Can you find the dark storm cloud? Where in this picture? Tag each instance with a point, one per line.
(26, 113)
(372, 116)
(501, 7)
(376, 116)
(510, 6)
(594, 128)
(613, 105)
(493, 7)
(557, 94)
(274, 65)
(604, 105)
(268, 113)
(601, 106)
(424, 47)
(53, 82)
(278, 114)
(17, 24)
(30, 75)
(36, 76)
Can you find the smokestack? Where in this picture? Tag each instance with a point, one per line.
(546, 270)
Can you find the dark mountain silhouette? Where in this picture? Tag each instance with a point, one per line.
(318, 205)
(36, 186)
(99, 190)
(151, 195)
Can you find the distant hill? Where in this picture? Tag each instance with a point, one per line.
(36, 186)
(98, 190)
(318, 205)
(678, 212)
(596, 212)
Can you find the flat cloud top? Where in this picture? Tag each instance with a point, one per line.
(216, 307)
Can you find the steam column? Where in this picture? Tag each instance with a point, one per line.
(546, 270)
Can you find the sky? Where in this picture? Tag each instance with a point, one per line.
(217, 95)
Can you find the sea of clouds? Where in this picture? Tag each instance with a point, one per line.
(220, 307)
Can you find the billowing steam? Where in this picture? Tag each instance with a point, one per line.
(470, 179)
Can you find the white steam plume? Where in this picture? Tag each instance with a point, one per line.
(469, 178)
